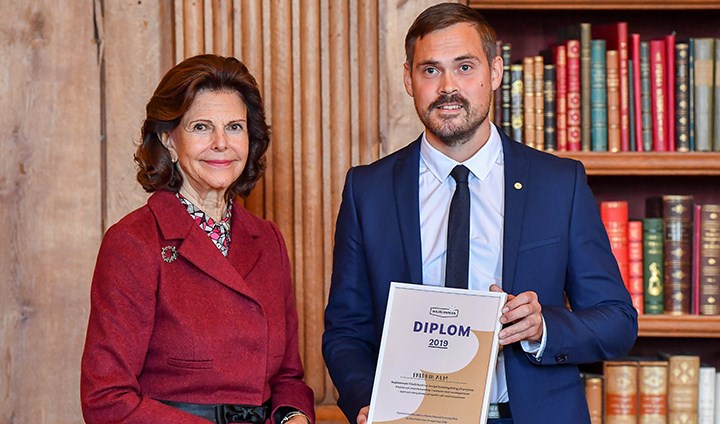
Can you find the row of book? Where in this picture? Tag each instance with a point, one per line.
(669, 261)
(671, 389)
(602, 89)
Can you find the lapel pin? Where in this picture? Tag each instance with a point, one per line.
(518, 185)
(169, 253)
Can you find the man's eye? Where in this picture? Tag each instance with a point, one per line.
(431, 71)
(465, 68)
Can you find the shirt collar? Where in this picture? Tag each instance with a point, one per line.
(480, 164)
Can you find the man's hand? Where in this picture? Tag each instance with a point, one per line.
(524, 314)
(363, 415)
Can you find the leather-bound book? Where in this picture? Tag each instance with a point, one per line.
(621, 392)
(653, 392)
(653, 276)
(709, 260)
(677, 213)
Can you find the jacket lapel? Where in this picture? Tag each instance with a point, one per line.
(407, 203)
(516, 184)
(197, 248)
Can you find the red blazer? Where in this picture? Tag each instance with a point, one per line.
(201, 328)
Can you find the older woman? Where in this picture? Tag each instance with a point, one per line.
(192, 311)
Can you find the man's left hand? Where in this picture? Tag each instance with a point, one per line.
(524, 314)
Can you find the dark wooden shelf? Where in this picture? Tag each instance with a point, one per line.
(648, 163)
(679, 326)
(595, 5)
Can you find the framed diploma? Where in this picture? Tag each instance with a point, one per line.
(437, 355)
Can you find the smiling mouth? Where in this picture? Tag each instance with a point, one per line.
(449, 107)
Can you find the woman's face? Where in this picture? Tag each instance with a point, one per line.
(211, 143)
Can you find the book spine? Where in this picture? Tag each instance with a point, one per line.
(653, 243)
(691, 94)
(621, 400)
(682, 140)
(635, 264)
(706, 394)
(652, 391)
(670, 90)
(598, 95)
(561, 98)
(637, 92)
(585, 82)
(677, 213)
(622, 49)
(709, 261)
(703, 90)
(646, 101)
(695, 284)
(658, 91)
(631, 105)
(683, 383)
(550, 96)
(716, 92)
(529, 101)
(614, 131)
(516, 102)
(574, 120)
(505, 51)
(594, 396)
(614, 215)
(538, 82)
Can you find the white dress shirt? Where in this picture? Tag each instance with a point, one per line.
(487, 212)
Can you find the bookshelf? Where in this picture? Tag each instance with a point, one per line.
(631, 176)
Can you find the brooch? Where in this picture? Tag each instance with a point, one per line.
(169, 253)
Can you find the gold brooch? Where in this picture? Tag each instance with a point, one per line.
(169, 253)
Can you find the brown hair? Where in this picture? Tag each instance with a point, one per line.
(172, 99)
(444, 15)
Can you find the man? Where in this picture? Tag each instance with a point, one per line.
(535, 233)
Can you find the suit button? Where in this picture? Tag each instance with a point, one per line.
(561, 358)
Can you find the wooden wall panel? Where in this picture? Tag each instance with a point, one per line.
(50, 196)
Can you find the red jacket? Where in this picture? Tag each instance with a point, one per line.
(201, 328)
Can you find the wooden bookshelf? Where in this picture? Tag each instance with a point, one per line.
(679, 326)
(596, 5)
(648, 163)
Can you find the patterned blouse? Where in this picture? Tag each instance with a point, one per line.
(219, 232)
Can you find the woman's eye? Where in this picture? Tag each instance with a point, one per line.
(200, 127)
(235, 127)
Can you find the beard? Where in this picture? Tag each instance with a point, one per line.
(449, 130)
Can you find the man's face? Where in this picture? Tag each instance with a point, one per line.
(451, 83)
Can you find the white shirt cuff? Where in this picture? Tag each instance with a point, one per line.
(536, 348)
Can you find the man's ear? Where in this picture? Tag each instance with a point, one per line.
(167, 141)
(407, 79)
(496, 72)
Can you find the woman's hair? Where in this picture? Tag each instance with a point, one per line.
(444, 15)
(172, 99)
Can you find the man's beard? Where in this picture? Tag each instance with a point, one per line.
(447, 132)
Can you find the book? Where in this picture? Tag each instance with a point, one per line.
(616, 38)
(505, 51)
(635, 264)
(677, 213)
(614, 215)
(691, 94)
(709, 259)
(538, 83)
(631, 105)
(573, 95)
(653, 242)
(598, 96)
(683, 371)
(613, 102)
(549, 95)
(635, 89)
(658, 93)
(716, 96)
(706, 394)
(695, 284)
(717, 397)
(528, 68)
(594, 397)
(516, 102)
(670, 90)
(704, 51)
(646, 102)
(682, 136)
(652, 391)
(621, 400)
(585, 125)
(561, 96)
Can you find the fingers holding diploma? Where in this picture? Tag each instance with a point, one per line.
(522, 317)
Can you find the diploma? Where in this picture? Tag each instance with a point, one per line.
(437, 355)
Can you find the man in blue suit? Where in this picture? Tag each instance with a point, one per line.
(535, 233)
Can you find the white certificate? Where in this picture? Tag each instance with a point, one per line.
(437, 355)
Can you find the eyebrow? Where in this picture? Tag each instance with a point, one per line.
(457, 59)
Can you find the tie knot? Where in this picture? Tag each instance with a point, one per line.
(460, 174)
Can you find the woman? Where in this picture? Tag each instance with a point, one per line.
(192, 308)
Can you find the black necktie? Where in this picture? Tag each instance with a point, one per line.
(458, 239)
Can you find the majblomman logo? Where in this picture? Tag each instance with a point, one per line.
(442, 312)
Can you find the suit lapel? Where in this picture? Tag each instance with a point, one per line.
(516, 184)
(407, 203)
(197, 248)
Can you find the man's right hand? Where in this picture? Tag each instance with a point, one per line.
(363, 415)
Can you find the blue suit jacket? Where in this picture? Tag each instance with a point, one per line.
(554, 244)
